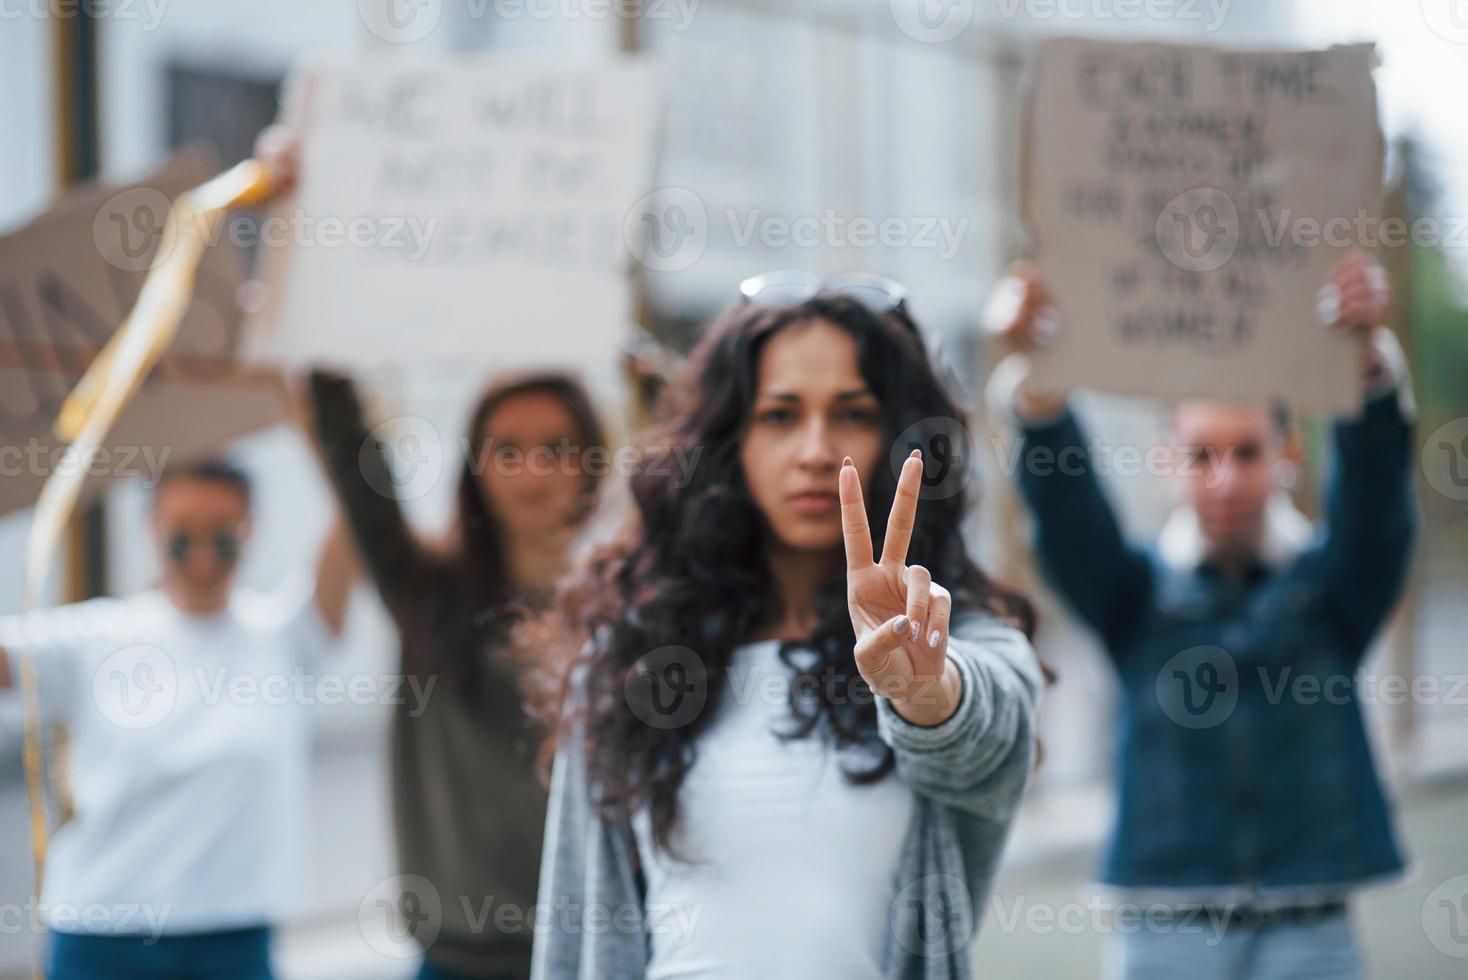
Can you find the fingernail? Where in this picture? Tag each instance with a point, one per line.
(846, 461)
(1328, 305)
(917, 631)
(916, 454)
(899, 626)
(933, 638)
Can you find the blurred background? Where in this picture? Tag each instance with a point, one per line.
(789, 109)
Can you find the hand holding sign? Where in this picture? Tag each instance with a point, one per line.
(1021, 318)
(899, 614)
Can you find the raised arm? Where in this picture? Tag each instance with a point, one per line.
(979, 759)
(1078, 539)
(336, 573)
(1370, 517)
(356, 465)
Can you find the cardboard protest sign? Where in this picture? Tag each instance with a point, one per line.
(67, 280)
(463, 212)
(1185, 205)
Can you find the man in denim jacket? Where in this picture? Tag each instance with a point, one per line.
(1248, 801)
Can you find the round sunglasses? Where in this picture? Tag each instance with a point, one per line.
(226, 545)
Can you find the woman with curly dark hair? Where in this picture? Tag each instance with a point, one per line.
(777, 756)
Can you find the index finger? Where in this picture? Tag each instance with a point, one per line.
(904, 511)
(854, 528)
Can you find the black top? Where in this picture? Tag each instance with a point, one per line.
(469, 812)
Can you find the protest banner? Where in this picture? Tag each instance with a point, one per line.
(1185, 205)
(67, 280)
(466, 213)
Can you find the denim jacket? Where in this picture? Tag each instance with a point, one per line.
(967, 773)
(1245, 769)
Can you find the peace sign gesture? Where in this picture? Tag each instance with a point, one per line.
(899, 614)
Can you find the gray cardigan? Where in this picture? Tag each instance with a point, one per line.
(968, 774)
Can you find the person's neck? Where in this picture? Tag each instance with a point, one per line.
(199, 609)
(536, 561)
(1234, 559)
(798, 577)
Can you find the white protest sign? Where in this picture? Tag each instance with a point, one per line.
(1185, 205)
(466, 212)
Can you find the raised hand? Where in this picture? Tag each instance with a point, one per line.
(278, 148)
(1020, 317)
(1356, 300)
(899, 614)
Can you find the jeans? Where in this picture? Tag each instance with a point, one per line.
(237, 954)
(430, 972)
(1321, 950)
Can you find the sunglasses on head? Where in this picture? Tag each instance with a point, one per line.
(780, 290)
(226, 545)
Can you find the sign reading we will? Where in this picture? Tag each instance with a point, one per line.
(1186, 204)
(464, 211)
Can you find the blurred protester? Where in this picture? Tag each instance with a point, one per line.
(188, 754)
(1252, 813)
(729, 798)
(468, 808)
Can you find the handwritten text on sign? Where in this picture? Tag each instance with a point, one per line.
(475, 212)
(1186, 204)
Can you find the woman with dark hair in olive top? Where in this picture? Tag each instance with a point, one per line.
(468, 808)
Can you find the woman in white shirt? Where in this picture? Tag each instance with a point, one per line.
(729, 796)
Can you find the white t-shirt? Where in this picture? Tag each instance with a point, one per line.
(188, 759)
(795, 868)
